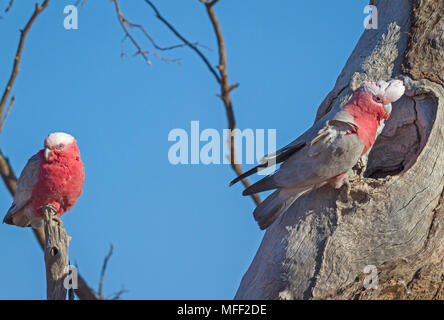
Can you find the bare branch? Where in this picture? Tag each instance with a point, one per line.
(209, 3)
(158, 56)
(102, 275)
(11, 2)
(11, 104)
(123, 22)
(8, 174)
(84, 292)
(117, 295)
(221, 78)
(148, 36)
(189, 44)
(226, 89)
(18, 55)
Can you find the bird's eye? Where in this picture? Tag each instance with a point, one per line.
(60, 146)
(378, 99)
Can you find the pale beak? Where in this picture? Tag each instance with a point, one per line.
(46, 153)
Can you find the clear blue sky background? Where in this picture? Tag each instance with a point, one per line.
(179, 231)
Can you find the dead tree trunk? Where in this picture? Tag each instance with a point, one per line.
(393, 220)
(56, 254)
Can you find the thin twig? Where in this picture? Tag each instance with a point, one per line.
(102, 274)
(11, 2)
(148, 36)
(158, 56)
(123, 22)
(11, 104)
(189, 44)
(116, 295)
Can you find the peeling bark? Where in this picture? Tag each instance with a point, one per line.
(393, 217)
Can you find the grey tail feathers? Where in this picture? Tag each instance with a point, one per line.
(7, 219)
(248, 173)
(18, 218)
(276, 204)
(265, 184)
(282, 155)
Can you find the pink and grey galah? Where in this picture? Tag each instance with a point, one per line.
(54, 176)
(326, 152)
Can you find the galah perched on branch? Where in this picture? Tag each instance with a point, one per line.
(52, 176)
(325, 152)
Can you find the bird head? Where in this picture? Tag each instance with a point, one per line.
(58, 143)
(382, 93)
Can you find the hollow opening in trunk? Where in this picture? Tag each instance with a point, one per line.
(404, 136)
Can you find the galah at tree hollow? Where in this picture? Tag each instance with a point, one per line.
(54, 176)
(325, 152)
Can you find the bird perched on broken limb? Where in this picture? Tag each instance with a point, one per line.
(54, 176)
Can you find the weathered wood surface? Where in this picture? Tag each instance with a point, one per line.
(56, 254)
(393, 218)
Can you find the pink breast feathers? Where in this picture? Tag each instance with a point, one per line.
(61, 176)
(367, 115)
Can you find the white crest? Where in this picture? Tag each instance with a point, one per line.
(388, 91)
(57, 138)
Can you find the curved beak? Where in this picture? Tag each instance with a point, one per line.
(46, 153)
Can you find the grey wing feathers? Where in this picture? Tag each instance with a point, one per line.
(334, 116)
(327, 134)
(271, 159)
(328, 153)
(22, 197)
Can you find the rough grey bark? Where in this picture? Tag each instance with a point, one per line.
(393, 217)
(56, 254)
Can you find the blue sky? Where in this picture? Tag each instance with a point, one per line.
(179, 232)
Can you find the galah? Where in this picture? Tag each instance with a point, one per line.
(54, 176)
(326, 152)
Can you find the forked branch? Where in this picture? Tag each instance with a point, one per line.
(220, 74)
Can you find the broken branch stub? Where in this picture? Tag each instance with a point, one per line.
(56, 254)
